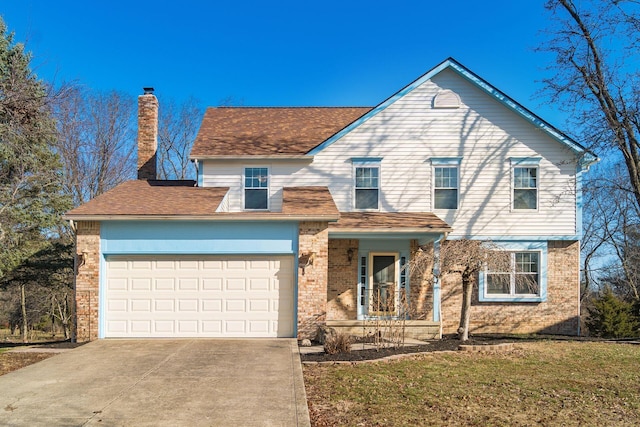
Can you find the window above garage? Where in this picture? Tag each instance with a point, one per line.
(256, 188)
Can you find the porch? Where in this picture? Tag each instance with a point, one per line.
(373, 283)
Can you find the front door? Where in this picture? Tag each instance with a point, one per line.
(383, 285)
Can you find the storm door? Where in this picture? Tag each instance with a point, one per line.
(383, 285)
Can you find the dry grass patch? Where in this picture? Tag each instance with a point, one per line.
(541, 383)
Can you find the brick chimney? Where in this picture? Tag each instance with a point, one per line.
(147, 134)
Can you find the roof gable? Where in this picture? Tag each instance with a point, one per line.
(450, 63)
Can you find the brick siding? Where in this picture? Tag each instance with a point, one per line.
(421, 283)
(87, 280)
(313, 238)
(558, 315)
(342, 287)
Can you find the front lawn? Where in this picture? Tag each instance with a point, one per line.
(538, 383)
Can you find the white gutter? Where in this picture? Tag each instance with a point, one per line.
(217, 217)
(255, 157)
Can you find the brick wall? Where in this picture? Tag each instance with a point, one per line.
(342, 287)
(147, 136)
(421, 282)
(87, 280)
(558, 315)
(313, 237)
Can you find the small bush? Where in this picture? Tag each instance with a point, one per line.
(337, 343)
(611, 317)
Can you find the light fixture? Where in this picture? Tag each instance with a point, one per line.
(350, 254)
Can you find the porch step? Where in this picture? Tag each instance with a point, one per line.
(413, 329)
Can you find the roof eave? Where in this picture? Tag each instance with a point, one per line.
(220, 216)
(255, 157)
(389, 231)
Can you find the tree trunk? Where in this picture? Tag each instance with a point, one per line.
(465, 312)
(23, 306)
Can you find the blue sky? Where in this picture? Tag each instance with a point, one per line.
(282, 53)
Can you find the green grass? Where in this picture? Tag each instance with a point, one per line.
(541, 383)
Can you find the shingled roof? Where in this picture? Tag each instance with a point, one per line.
(269, 131)
(172, 199)
(153, 198)
(389, 221)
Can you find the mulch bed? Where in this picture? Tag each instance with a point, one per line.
(447, 343)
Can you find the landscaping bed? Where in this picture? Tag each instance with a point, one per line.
(447, 343)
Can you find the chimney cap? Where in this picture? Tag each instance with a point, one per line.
(148, 90)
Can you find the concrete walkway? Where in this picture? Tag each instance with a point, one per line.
(189, 382)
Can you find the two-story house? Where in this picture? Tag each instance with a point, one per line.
(309, 216)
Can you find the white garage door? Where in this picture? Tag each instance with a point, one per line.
(212, 296)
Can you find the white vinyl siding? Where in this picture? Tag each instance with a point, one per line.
(484, 133)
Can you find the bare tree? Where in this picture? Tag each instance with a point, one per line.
(96, 141)
(595, 75)
(465, 258)
(177, 129)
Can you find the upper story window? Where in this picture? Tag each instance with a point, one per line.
(445, 182)
(521, 277)
(367, 187)
(256, 188)
(367, 183)
(525, 183)
(525, 188)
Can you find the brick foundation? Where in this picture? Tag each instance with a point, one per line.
(87, 280)
(313, 238)
(558, 315)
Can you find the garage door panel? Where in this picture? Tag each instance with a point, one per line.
(188, 284)
(212, 284)
(235, 284)
(210, 297)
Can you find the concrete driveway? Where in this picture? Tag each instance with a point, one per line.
(188, 382)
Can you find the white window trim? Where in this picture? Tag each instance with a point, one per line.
(525, 162)
(445, 162)
(244, 171)
(542, 249)
(365, 162)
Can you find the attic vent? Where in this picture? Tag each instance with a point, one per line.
(446, 99)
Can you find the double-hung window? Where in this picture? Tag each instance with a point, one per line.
(521, 277)
(367, 183)
(256, 188)
(518, 275)
(525, 183)
(445, 182)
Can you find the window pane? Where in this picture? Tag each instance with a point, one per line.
(498, 283)
(366, 199)
(524, 199)
(256, 178)
(255, 199)
(446, 177)
(525, 177)
(527, 284)
(446, 199)
(366, 177)
(526, 262)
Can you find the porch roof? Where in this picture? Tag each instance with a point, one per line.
(416, 225)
